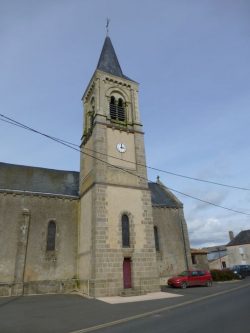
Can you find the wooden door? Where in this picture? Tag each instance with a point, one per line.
(127, 281)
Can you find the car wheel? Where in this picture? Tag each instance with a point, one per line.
(183, 285)
(208, 283)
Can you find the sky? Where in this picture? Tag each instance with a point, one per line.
(192, 60)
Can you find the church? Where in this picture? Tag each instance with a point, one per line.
(104, 230)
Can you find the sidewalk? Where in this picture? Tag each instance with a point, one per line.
(131, 299)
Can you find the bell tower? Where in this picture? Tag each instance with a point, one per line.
(116, 249)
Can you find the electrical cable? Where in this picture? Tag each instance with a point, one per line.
(67, 144)
(13, 122)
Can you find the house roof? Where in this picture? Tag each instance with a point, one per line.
(242, 238)
(162, 197)
(215, 248)
(198, 251)
(41, 180)
(108, 61)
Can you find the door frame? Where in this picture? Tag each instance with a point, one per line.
(127, 273)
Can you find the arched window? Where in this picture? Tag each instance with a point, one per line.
(117, 109)
(157, 244)
(92, 112)
(125, 231)
(120, 110)
(51, 236)
(112, 108)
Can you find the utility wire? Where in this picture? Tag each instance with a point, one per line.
(15, 123)
(69, 145)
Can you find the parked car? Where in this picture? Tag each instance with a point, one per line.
(241, 271)
(191, 278)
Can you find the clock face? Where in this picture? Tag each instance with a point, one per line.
(121, 147)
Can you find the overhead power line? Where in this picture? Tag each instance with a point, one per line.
(71, 146)
(18, 124)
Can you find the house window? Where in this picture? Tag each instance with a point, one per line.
(157, 244)
(117, 109)
(51, 236)
(125, 231)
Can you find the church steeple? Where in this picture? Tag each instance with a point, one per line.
(115, 199)
(108, 61)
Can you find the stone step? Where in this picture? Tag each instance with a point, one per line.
(132, 292)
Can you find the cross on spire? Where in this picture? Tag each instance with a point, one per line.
(107, 26)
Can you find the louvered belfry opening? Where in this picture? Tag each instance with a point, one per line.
(112, 108)
(120, 110)
(116, 109)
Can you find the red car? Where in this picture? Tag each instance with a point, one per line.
(191, 278)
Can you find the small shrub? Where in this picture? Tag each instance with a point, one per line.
(222, 275)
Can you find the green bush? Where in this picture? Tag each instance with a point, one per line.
(222, 275)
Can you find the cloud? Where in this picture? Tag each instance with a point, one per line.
(213, 231)
(214, 197)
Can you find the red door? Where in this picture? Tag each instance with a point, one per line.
(127, 283)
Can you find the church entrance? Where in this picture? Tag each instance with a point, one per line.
(127, 281)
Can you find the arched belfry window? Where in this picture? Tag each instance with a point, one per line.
(112, 108)
(157, 244)
(117, 109)
(121, 110)
(125, 231)
(51, 236)
(92, 112)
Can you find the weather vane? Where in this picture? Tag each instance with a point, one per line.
(107, 25)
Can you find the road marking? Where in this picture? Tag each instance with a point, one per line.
(157, 311)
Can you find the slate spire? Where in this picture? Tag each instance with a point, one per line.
(108, 61)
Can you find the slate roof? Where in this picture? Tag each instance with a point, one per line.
(242, 238)
(161, 197)
(49, 181)
(41, 180)
(108, 61)
(215, 248)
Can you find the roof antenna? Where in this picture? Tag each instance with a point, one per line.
(107, 26)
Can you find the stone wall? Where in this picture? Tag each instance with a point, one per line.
(238, 254)
(24, 260)
(106, 274)
(174, 255)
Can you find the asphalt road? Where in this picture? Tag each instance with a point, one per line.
(228, 313)
(223, 306)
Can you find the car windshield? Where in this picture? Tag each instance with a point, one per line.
(185, 273)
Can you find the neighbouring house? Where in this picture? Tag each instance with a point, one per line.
(238, 249)
(217, 257)
(199, 259)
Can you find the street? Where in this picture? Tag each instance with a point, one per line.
(224, 306)
(226, 313)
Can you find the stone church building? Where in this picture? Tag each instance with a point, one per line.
(104, 230)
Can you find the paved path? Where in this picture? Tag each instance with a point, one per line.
(132, 299)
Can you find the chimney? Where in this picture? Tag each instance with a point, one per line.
(231, 235)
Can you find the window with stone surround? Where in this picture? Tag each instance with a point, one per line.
(157, 243)
(125, 231)
(51, 236)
